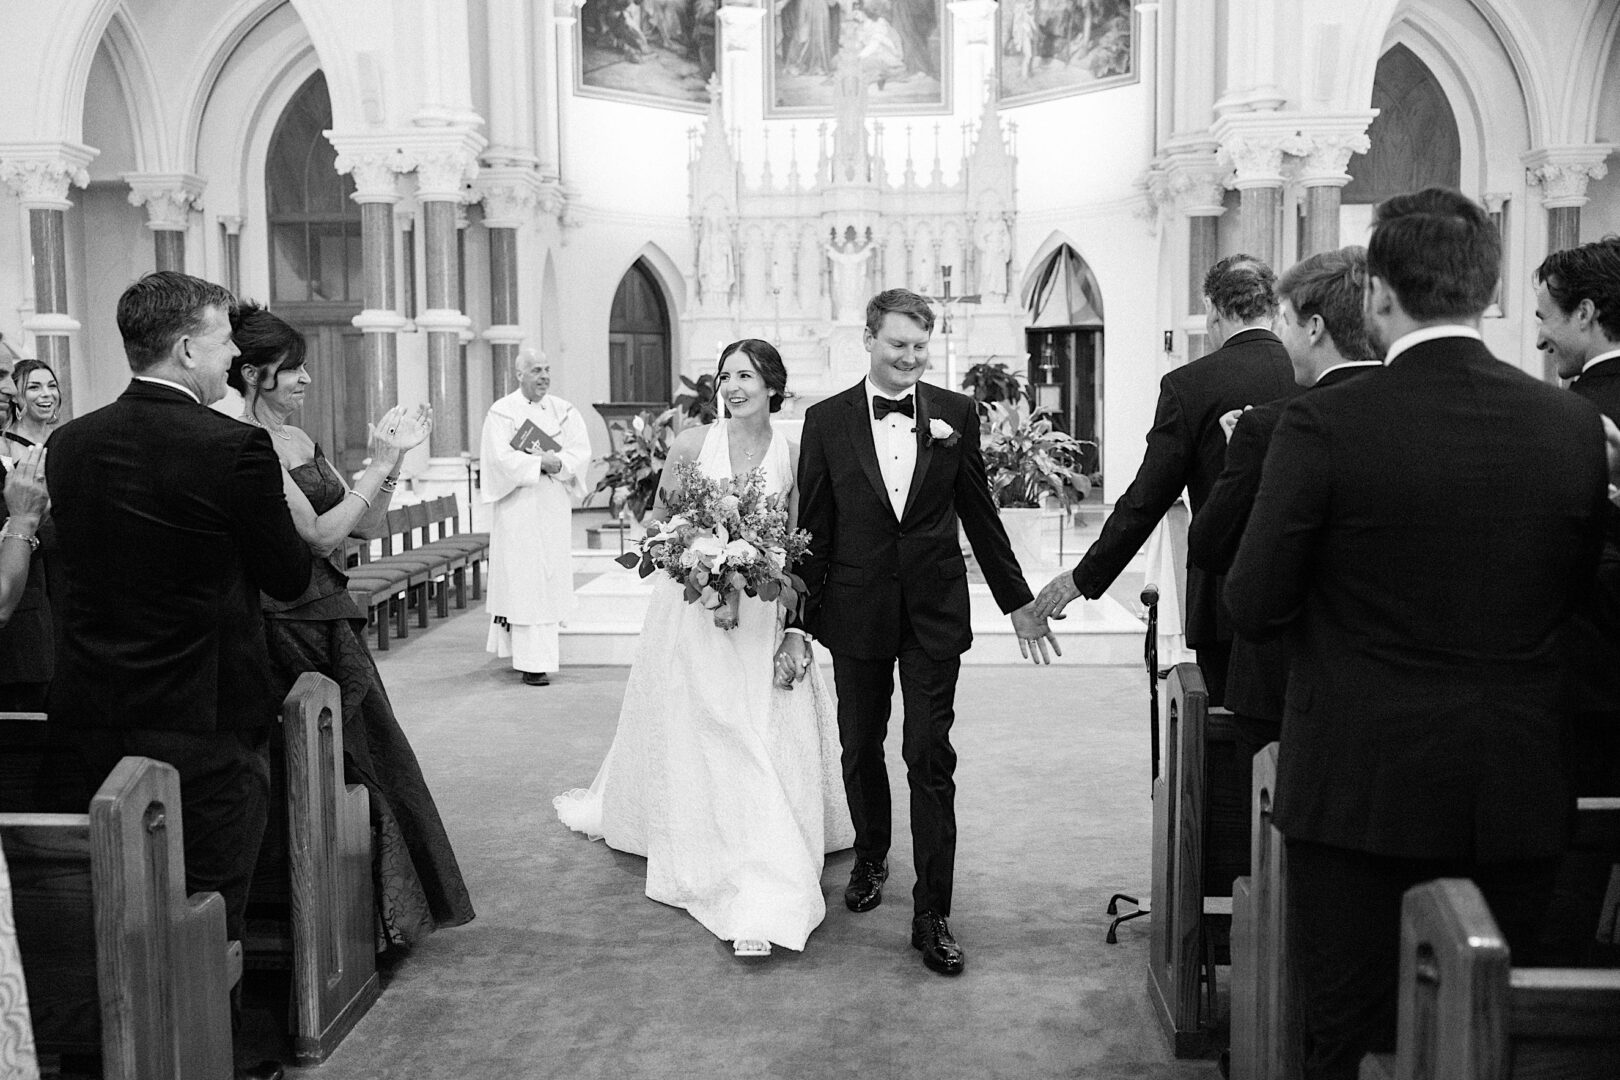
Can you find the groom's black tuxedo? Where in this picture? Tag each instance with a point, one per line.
(881, 589)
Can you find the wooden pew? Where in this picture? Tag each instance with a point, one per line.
(119, 960)
(18, 1060)
(1466, 1013)
(328, 888)
(1266, 1034)
(1200, 844)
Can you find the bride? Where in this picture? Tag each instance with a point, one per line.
(727, 782)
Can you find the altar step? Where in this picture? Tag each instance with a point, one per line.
(607, 624)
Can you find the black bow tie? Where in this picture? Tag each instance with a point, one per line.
(882, 406)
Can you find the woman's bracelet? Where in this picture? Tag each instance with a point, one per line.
(30, 540)
(390, 482)
(356, 493)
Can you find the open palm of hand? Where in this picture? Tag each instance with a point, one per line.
(402, 429)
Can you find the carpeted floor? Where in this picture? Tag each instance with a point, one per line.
(570, 972)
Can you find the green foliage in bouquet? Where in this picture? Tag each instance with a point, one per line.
(1028, 459)
(725, 539)
(640, 448)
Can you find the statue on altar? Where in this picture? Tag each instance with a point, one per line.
(716, 263)
(995, 247)
(850, 286)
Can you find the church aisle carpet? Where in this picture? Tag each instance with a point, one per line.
(569, 971)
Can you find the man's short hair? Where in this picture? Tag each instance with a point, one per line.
(1589, 272)
(1331, 284)
(1439, 252)
(163, 307)
(903, 301)
(1242, 288)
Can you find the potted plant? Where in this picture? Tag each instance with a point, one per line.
(991, 382)
(1031, 463)
(640, 447)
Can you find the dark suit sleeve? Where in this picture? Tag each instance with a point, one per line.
(817, 514)
(1159, 482)
(1212, 540)
(1266, 587)
(982, 522)
(274, 556)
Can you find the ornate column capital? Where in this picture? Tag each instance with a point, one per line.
(444, 167)
(1562, 172)
(1193, 179)
(1328, 144)
(39, 173)
(233, 223)
(1254, 144)
(511, 196)
(376, 175)
(169, 198)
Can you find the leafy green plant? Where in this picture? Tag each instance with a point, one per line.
(1029, 460)
(640, 448)
(701, 403)
(991, 382)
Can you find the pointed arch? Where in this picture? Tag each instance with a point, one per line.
(643, 330)
(131, 66)
(1043, 256)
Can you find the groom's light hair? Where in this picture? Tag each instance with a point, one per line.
(902, 301)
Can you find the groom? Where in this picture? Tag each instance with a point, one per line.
(886, 470)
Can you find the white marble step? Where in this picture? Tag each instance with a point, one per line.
(607, 624)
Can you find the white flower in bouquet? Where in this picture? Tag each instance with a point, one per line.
(740, 553)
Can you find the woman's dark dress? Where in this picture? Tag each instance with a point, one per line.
(418, 883)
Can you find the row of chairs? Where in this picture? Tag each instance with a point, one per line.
(416, 567)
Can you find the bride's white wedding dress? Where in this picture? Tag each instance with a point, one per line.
(730, 787)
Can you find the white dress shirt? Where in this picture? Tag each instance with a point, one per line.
(172, 385)
(895, 438)
(1598, 359)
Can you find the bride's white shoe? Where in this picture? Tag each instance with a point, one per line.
(751, 947)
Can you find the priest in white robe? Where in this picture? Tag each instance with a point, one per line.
(531, 496)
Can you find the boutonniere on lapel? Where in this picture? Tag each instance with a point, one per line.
(942, 433)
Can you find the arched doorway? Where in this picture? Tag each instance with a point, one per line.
(1414, 141)
(1064, 345)
(639, 341)
(315, 283)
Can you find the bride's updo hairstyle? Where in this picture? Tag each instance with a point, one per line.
(267, 342)
(766, 360)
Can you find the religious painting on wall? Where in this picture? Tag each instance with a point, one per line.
(898, 46)
(656, 52)
(1051, 48)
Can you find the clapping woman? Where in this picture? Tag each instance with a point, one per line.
(34, 406)
(418, 883)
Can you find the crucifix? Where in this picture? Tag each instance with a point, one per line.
(946, 301)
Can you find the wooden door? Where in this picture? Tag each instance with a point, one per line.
(335, 402)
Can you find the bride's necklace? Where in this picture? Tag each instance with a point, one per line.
(752, 452)
(279, 431)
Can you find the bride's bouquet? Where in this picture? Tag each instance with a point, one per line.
(724, 539)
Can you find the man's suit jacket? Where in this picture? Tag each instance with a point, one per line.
(1425, 534)
(170, 520)
(1258, 673)
(865, 567)
(1186, 449)
(1594, 667)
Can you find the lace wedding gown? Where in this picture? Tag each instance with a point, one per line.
(730, 787)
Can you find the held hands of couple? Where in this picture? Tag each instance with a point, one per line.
(1035, 638)
(400, 429)
(792, 660)
(1055, 596)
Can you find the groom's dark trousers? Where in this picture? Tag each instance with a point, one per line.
(886, 590)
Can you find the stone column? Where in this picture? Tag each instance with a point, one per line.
(232, 252)
(511, 199)
(1258, 178)
(39, 176)
(441, 176)
(1323, 174)
(376, 190)
(169, 199)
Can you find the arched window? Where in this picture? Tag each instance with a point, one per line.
(639, 340)
(315, 270)
(1414, 137)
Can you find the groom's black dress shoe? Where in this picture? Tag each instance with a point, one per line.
(866, 880)
(941, 953)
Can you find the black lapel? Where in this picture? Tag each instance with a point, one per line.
(859, 419)
(925, 448)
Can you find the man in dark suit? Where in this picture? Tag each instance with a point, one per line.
(171, 520)
(886, 470)
(1424, 534)
(1186, 449)
(1320, 324)
(1578, 317)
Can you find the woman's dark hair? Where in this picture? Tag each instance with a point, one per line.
(766, 360)
(267, 342)
(20, 374)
